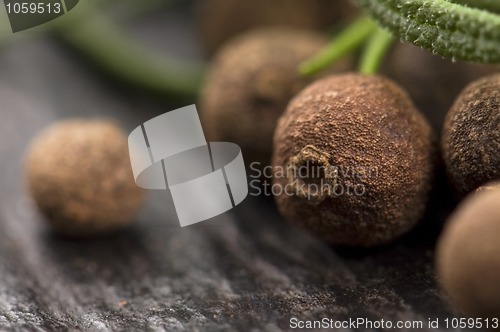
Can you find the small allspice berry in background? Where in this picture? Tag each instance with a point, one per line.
(249, 85)
(468, 256)
(355, 160)
(471, 136)
(221, 20)
(79, 175)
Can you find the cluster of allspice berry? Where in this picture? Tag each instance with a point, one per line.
(355, 157)
(468, 252)
(356, 120)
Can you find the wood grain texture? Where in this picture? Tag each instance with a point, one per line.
(245, 270)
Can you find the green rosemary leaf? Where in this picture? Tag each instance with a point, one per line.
(448, 29)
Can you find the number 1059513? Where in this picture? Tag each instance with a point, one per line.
(33, 8)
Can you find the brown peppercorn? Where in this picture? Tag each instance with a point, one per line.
(471, 136)
(468, 256)
(431, 81)
(371, 152)
(221, 20)
(79, 174)
(249, 85)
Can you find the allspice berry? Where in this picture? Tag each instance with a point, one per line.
(468, 256)
(249, 85)
(471, 136)
(353, 160)
(79, 174)
(221, 20)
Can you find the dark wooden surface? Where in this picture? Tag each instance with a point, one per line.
(245, 270)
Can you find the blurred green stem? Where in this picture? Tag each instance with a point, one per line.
(374, 52)
(96, 36)
(344, 43)
(100, 40)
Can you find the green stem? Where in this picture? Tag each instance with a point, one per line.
(448, 29)
(375, 51)
(100, 40)
(343, 44)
